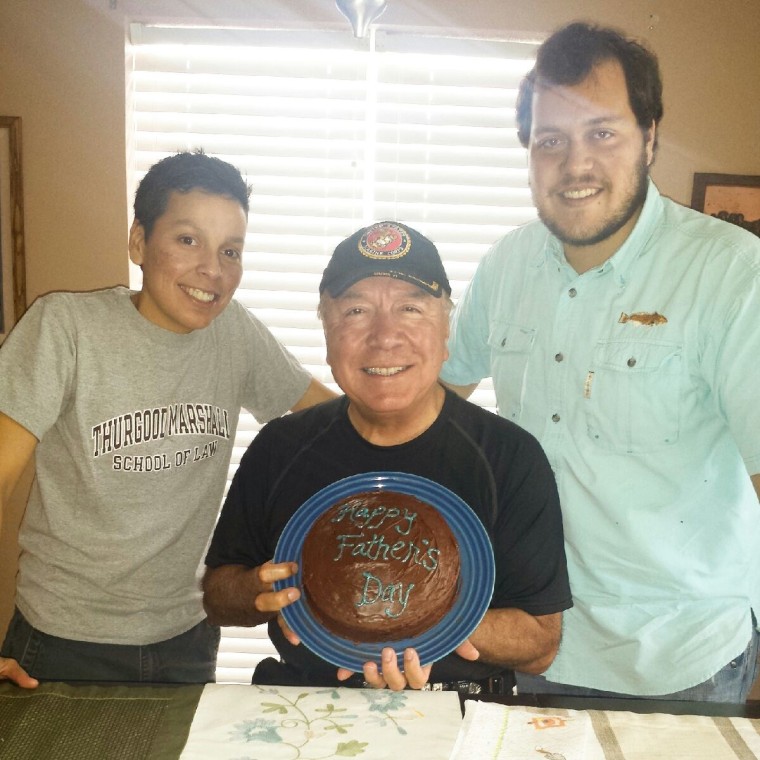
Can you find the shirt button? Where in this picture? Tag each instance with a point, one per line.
(572, 292)
(555, 418)
(631, 362)
(558, 357)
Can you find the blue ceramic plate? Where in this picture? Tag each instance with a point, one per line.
(476, 578)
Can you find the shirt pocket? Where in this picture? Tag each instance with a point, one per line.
(633, 398)
(511, 346)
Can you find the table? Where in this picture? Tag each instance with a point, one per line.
(575, 728)
(749, 710)
(60, 721)
(132, 722)
(111, 722)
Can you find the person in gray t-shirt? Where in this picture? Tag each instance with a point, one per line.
(129, 402)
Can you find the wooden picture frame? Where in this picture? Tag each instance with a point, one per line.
(12, 266)
(734, 198)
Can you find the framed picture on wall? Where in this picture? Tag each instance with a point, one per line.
(734, 198)
(12, 272)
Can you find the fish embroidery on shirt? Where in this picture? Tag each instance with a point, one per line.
(645, 318)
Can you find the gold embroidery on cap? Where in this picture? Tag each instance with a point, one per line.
(433, 287)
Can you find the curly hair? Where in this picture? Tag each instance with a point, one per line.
(567, 58)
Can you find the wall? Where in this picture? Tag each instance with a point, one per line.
(62, 69)
(708, 54)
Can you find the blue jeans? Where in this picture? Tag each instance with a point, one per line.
(187, 658)
(732, 683)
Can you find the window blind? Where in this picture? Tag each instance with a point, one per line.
(334, 133)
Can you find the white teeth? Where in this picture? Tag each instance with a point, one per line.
(200, 295)
(385, 371)
(579, 194)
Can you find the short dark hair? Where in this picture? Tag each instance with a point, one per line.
(569, 55)
(182, 173)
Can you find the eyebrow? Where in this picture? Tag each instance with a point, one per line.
(354, 292)
(606, 119)
(595, 122)
(190, 223)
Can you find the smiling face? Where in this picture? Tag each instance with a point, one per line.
(192, 262)
(589, 162)
(386, 342)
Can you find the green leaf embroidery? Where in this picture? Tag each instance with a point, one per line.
(350, 749)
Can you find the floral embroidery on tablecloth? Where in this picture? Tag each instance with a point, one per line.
(296, 720)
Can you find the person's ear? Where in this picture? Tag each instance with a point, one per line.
(649, 141)
(137, 243)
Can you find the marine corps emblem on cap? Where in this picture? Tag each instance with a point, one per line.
(384, 241)
(386, 249)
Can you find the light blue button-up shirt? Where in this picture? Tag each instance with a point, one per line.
(641, 379)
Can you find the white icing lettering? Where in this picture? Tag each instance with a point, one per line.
(430, 561)
(364, 518)
(344, 543)
(376, 549)
(375, 592)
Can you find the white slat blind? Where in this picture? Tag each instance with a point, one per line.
(335, 133)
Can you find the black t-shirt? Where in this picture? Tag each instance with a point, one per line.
(496, 467)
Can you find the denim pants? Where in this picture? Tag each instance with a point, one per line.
(187, 658)
(732, 683)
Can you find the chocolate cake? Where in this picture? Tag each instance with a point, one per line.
(380, 566)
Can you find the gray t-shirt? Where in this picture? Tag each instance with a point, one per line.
(136, 427)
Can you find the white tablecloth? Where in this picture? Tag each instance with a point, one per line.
(494, 732)
(286, 722)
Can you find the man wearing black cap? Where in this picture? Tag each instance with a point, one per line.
(385, 303)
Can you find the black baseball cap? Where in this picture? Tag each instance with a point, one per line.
(385, 249)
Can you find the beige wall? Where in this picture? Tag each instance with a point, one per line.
(62, 69)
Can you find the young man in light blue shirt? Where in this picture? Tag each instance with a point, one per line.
(622, 331)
